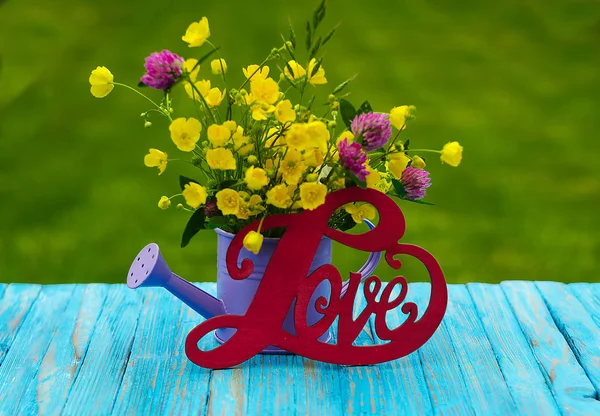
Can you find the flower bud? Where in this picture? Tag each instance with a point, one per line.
(196, 160)
(331, 98)
(179, 207)
(417, 162)
(312, 177)
(252, 160)
(147, 124)
(331, 124)
(253, 241)
(334, 113)
(282, 77)
(164, 202)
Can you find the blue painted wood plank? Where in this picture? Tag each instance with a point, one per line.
(2, 290)
(67, 348)
(576, 325)
(440, 363)
(572, 389)
(15, 305)
(521, 371)
(485, 383)
(99, 378)
(151, 384)
(589, 296)
(18, 389)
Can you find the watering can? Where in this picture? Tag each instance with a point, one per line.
(149, 269)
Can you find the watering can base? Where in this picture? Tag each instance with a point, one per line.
(271, 350)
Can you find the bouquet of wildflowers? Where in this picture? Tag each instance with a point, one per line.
(269, 146)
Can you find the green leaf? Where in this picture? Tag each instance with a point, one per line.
(399, 188)
(184, 180)
(216, 222)
(319, 14)
(141, 84)
(308, 36)
(204, 58)
(227, 184)
(292, 37)
(406, 144)
(347, 112)
(343, 85)
(316, 68)
(418, 201)
(328, 36)
(358, 182)
(315, 48)
(347, 223)
(195, 224)
(290, 51)
(364, 108)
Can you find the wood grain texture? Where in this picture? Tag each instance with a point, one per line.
(521, 371)
(19, 370)
(572, 389)
(576, 325)
(99, 379)
(15, 305)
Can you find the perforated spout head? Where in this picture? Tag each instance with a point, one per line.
(148, 269)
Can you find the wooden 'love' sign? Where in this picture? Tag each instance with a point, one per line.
(287, 280)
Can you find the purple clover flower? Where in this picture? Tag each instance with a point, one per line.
(163, 69)
(353, 158)
(210, 209)
(375, 129)
(415, 182)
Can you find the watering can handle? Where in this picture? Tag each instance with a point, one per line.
(370, 265)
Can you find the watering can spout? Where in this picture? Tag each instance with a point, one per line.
(149, 269)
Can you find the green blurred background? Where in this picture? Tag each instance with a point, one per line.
(516, 82)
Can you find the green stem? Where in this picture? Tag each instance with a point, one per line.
(146, 97)
(212, 116)
(424, 150)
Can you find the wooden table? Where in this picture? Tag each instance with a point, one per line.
(515, 348)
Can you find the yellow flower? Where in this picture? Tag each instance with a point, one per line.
(220, 159)
(319, 135)
(417, 162)
(399, 115)
(372, 178)
(292, 167)
(215, 97)
(254, 204)
(189, 66)
(231, 125)
(274, 137)
(265, 90)
(313, 157)
(228, 201)
(185, 133)
(246, 149)
(312, 195)
(319, 77)
(284, 111)
(101, 80)
(297, 70)
(197, 33)
(279, 196)
(194, 194)
(346, 135)
(253, 241)
(397, 164)
(164, 202)
(249, 72)
(384, 183)
(452, 154)
(297, 137)
(363, 212)
(238, 138)
(218, 66)
(256, 178)
(202, 87)
(156, 158)
(261, 111)
(218, 134)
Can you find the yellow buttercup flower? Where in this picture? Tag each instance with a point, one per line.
(101, 81)
(190, 67)
(218, 134)
(372, 178)
(218, 66)
(312, 195)
(346, 135)
(360, 213)
(253, 241)
(284, 111)
(185, 133)
(291, 167)
(261, 111)
(265, 90)
(452, 154)
(313, 157)
(231, 125)
(246, 149)
(319, 135)
(156, 159)
(164, 202)
(202, 87)
(279, 196)
(255, 205)
(417, 162)
(319, 77)
(399, 115)
(228, 201)
(297, 70)
(197, 33)
(297, 137)
(238, 138)
(253, 72)
(194, 194)
(220, 159)
(397, 164)
(256, 178)
(215, 97)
